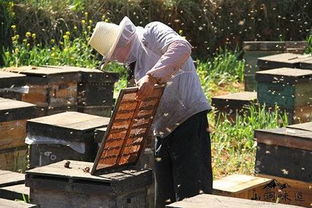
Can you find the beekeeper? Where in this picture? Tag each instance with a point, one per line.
(182, 147)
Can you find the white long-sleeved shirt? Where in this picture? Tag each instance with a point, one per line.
(165, 55)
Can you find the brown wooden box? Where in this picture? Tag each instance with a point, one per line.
(232, 104)
(50, 86)
(289, 191)
(288, 88)
(214, 201)
(14, 159)
(265, 188)
(285, 152)
(64, 128)
(57, 186)
(290, 60)
(13, 116)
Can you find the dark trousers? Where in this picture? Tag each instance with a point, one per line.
(183, 161)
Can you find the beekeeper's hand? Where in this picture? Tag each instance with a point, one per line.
(146, 85)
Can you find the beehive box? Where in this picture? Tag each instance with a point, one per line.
(15, 192)
(214, 201)
(289, 191)
(284, 152)
(52, 89)
(233, 104)
(290, 60)
(68, 135)
(288, 88)
(9, 83)
(5, 203)
(256, 49)
(265, 188)
(57, 186)
(13, 116)
(95, 90)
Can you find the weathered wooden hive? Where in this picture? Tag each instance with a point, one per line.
(265, 188)
(10, 84)
(95, 92)
(289, 60)
(233, 104)
(13, 117)
(53, 89)
(72, 186)
(288, 88)
(285, 152)
(68, 135)
(256, 49)
(214, 201)
(12, 186)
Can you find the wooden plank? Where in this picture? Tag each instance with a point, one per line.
(127, 101)
(306, 64)
(9, 178)
(214, 201)
(302, 126)
(286, 137)
(4, 203)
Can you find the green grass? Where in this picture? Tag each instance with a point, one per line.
(233, 145)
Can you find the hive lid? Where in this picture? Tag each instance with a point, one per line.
(306, 64)
(92, 75)
(9, 178)
(16, 110)
(273, 45)
(10, 79)
(290, 58)
(78, 172)
(127, 130)
(303, 126)
(287, 137)
(72, 126)
(237, 183)
(283, 75)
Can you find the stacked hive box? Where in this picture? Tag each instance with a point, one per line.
(13, 116)
(52, 89)
(289, 60)
(95, 91)
(231, 105)
(285, 155)
(256, 49)
(9, 83)
(288, 88)
(72, 186)
(12, 186)
(68, 135)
